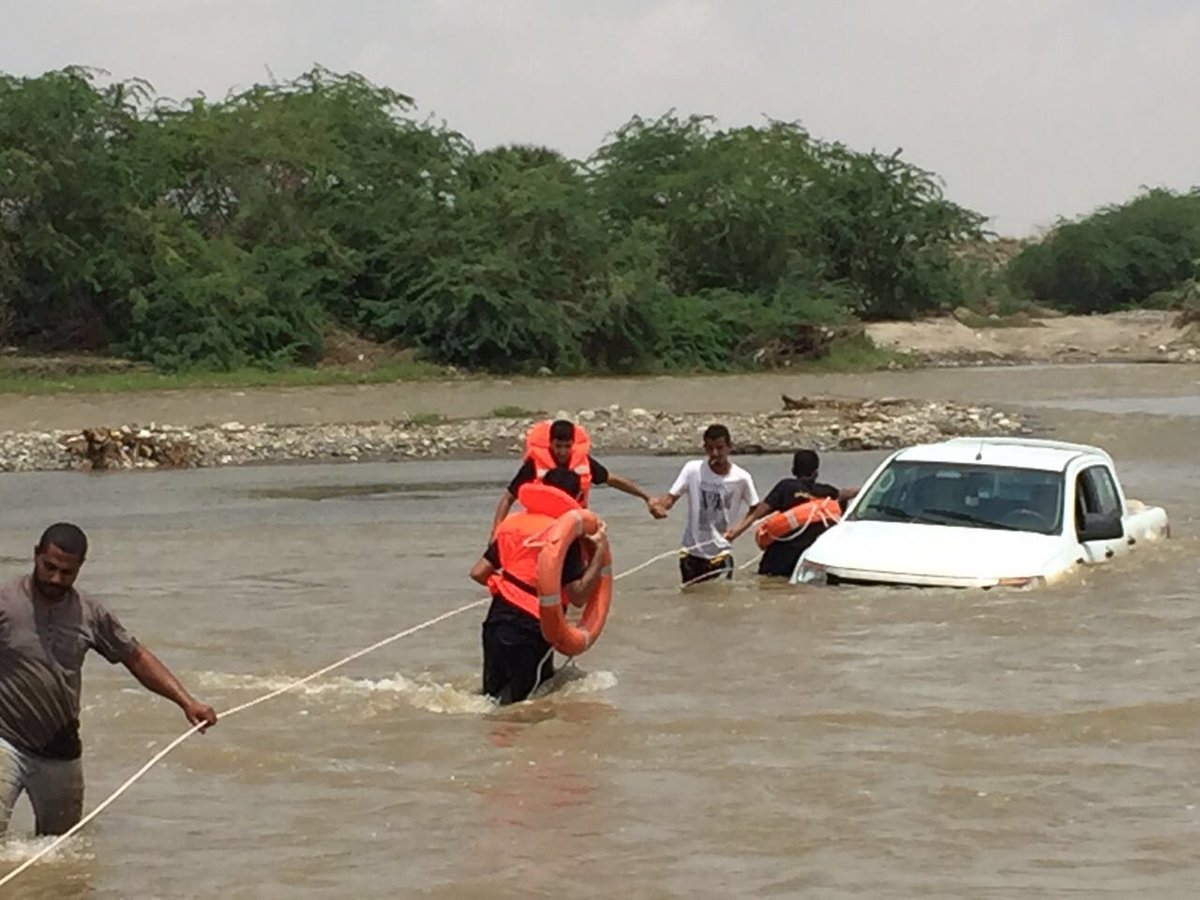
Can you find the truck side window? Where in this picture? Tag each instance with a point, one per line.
(1096, 493)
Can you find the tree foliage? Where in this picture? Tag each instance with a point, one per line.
(749, 209)
(1119, 257)
(219, 233)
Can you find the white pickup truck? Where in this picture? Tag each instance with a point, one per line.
(982, 512)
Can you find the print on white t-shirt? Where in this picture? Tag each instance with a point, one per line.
(715, 502)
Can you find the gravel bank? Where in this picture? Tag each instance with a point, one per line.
(820, 423)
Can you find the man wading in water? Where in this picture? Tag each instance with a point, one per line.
(564, 445)
(516, 658)
(716, 489)
(780, 557)
(46, 628)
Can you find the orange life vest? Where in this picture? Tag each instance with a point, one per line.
(519, 543)
(537, 449)
(787, 524)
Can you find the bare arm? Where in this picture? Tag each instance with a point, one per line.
(666, 501)
(482, 571)
(154, 675)
(752, 515)
(502, 508)
(579, 590)
(848, 493)
(625, 486)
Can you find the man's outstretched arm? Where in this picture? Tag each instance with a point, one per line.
(154, 675)
(625, 486)
(752, 515)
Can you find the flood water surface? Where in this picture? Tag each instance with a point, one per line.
(749, 741)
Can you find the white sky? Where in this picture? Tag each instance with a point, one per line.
(1028, 109)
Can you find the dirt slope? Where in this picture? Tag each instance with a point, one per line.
(1142, 335)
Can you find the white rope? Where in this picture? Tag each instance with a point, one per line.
(648, 562)
(814, 513)
(157, 757)
(150, 763)
(748, 563)
(545, 658)
(668, 553)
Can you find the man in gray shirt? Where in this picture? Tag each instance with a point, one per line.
(46, 629)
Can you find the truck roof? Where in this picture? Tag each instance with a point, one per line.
(1018, 453)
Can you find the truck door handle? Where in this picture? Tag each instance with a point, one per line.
(1108, 554)
(1131, 541)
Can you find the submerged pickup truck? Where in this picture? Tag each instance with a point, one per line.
(982, 512)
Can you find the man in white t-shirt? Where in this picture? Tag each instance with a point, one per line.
(718, 491)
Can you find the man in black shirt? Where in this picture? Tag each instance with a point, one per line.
(780, 558)
(562, 435)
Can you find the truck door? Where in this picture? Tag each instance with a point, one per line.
(1097, 501)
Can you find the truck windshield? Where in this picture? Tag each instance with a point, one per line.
(971, 496)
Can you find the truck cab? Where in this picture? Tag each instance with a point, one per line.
(982, 512)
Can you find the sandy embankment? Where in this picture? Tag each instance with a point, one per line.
(1135, 336)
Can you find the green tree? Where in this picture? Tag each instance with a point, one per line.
(324, 180)
(220, 233)
(885, 227)
(746, 209)
(66, 192)
(1118, 257)
(519, 264)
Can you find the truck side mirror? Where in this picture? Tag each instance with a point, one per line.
(1101, 527)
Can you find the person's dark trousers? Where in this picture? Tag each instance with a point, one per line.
(697, 569)
(516, 659)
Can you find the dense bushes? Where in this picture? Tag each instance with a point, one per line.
(1119, 257)
(222, 233)
(751, 209)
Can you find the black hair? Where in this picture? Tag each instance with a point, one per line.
(716, 432)
(805, 463)
(66, 537)
(562, 430)
(563, 479)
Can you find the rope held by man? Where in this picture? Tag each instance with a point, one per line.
(157, 757)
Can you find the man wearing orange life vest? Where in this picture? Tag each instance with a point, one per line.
(562, 444)
(516, 657)
(780, 557)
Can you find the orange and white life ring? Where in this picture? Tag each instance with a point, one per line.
(786, 524)
(565, 637)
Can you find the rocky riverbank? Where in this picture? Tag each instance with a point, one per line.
(821, 423)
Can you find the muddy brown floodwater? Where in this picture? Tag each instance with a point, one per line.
(757, 741)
